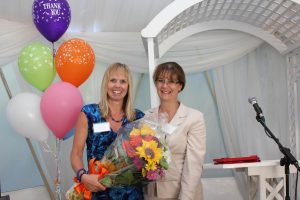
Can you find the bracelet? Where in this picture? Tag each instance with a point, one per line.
(79, 173)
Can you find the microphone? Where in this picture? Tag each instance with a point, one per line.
(258, 110)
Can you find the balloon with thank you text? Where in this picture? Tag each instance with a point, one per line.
(36, 65)
(74, 61)
(51, 18)
(60, 106)
(24, 115)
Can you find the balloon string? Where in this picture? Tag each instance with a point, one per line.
(58, 172)
(53, 50)
(53, 54)
(47, 149)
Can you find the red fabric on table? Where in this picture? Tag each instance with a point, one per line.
(232, 160)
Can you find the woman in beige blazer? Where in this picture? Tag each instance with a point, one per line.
(187, 142)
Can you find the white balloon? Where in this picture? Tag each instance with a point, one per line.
(24, 115)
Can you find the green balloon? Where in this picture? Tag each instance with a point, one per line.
(36, 65)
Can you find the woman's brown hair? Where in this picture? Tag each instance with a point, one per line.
(171, 69)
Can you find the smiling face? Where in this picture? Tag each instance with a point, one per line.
(117, 85)
(167, 87)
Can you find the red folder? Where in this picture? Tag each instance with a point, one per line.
(252, 158)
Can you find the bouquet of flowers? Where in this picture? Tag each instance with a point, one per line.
(138, 155)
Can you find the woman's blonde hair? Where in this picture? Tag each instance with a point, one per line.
(127, 103)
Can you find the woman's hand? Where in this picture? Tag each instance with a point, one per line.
(91, 183)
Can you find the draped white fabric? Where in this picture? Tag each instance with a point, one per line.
(111, 47)
(261, 74)
(212, 48)
(13, 37)
(197, 53)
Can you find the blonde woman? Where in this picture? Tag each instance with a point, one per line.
(97, 127)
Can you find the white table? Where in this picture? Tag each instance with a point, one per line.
(265, 171)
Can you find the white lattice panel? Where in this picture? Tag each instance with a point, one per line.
(280, 18)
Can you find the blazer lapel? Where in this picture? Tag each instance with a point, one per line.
(180, 115)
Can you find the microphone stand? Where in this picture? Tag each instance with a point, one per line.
(288, 158)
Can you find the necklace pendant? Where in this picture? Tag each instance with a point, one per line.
(115, 120)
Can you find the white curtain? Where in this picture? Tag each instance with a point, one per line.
(260, 74)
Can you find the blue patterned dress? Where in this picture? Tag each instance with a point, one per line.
(96, 146)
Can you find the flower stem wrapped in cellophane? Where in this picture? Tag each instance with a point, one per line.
(138, 155)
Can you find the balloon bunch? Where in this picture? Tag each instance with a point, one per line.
(60, 103)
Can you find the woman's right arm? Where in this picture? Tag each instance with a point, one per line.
(89, 180)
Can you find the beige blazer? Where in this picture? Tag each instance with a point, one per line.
(187, 144)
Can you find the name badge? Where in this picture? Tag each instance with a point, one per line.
(101, 127)
(169, 128)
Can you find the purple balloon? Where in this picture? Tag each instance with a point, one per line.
(51, 18)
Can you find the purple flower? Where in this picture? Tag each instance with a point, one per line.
(152, 175)
(138, 163)
(161, 172)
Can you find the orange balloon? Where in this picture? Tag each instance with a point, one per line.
(74, 61)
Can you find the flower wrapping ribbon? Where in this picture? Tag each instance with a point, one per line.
(95, 167)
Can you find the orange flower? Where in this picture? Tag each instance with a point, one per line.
(136, 141)
(130, 151)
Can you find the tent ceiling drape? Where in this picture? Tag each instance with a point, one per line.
(278, 21)
(197, 53)
(94, 15)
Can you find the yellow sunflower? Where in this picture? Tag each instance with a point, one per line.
(147, 130)
(151, 166)
(149, 151)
